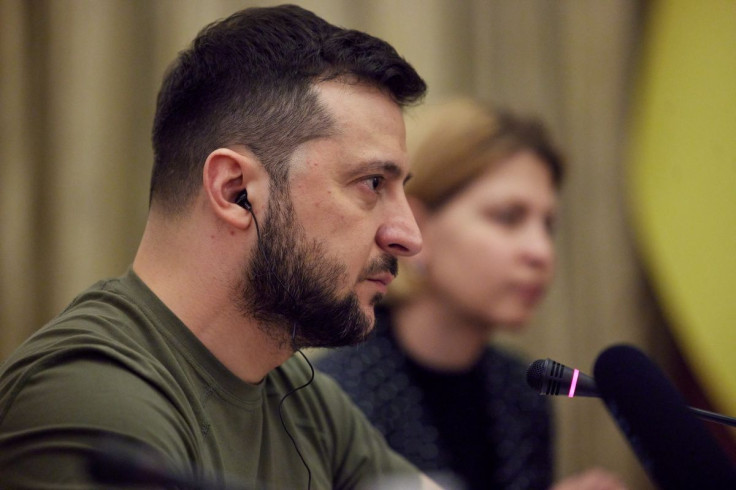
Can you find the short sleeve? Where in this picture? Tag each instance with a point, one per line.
(53, 417)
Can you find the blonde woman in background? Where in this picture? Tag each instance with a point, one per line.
(484, 192)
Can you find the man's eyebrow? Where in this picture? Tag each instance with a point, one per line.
(393, 170)
(388, 167)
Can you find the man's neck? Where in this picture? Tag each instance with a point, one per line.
(201, 294)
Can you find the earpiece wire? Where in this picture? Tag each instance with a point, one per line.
(295, 347)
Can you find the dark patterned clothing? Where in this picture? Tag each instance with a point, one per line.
(485, 426)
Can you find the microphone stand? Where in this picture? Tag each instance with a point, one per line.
(713, 417)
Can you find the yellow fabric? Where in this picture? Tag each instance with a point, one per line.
(683, 181)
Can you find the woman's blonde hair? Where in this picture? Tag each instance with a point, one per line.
(454, 143)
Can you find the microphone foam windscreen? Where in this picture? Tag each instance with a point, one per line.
(673, 446)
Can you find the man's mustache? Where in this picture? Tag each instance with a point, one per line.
(384, 263)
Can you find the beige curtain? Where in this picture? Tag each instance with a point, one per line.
(77, 90)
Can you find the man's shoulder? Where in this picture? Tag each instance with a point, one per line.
(102, 341)
(64, 400)
(93, 324)
(77, 365)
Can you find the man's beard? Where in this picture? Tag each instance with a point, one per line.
(290, 286)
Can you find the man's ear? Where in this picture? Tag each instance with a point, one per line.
(226, 174)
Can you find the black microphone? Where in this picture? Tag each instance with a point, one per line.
(549, 377)
(672, 445)
(118, 461)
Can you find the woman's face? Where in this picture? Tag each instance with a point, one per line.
(489, 251)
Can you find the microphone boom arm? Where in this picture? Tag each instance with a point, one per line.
(713, 417)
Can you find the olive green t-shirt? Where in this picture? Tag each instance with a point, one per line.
(118, 362)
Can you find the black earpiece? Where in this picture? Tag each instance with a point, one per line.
(242, 200)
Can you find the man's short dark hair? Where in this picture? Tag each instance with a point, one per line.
(248, 80)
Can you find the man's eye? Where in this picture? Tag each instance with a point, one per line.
(375, 182)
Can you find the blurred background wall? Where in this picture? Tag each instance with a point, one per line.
(78, 80)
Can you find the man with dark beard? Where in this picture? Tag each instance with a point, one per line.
(286, 263)
(277, 211)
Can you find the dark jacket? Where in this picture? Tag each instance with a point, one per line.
(382, 381)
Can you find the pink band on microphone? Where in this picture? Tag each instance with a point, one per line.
(574, 383)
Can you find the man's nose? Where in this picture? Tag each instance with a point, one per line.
(399, 235)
